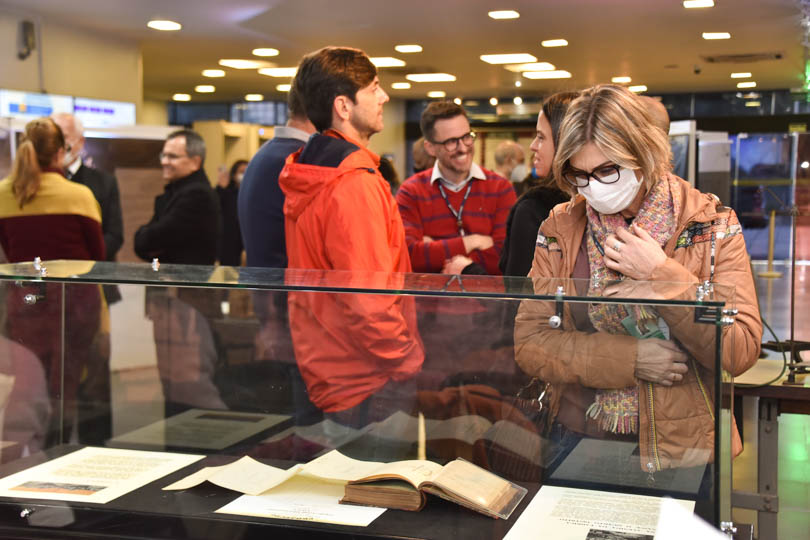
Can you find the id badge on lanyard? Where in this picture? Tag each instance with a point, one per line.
(458, 214)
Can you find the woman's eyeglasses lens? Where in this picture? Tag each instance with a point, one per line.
(605, 175)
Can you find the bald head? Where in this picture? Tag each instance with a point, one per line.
(73, 131)
(508, 155)
(657, 112)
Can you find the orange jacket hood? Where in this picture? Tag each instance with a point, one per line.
(319, 165)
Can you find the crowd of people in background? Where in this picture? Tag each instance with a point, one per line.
(599, 201)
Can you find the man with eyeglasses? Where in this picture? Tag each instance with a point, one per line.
(185, 228)
(454, 213)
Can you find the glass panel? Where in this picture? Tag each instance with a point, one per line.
(379, 367)
(763, 184)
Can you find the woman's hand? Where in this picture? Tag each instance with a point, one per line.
(660, 361)
(633, 253)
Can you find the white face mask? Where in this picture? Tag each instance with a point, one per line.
(615, 197)
(519, 173)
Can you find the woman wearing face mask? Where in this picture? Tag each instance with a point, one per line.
(536, 203)
(633, 229)
(230, 253)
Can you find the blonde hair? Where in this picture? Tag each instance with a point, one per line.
(40, 144)
(619, 124)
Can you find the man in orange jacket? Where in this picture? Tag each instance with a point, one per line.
(357, 353)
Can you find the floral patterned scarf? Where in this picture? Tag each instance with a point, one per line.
(616, 410)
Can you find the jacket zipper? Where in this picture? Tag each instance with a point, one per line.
(653, 439)
(702, 389)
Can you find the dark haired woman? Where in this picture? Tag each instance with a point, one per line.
(536, 203)
(230, 252)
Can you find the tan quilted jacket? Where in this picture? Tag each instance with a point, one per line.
(675, 423)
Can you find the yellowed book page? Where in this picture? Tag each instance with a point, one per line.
(336, 467)
(251, 477)
(473, 484)
(414, 471)
(245, 475)
(195, 479)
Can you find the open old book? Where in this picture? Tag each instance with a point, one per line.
(403, 485)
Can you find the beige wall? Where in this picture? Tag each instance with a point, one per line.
(153, 113)
(391, 140)
(75, 62)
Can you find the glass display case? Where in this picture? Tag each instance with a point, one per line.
(104, 406)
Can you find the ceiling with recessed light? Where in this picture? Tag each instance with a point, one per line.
(656, 43)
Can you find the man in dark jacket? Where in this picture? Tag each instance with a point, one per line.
(261, 201)
(186, 226)
(104, 186)
(185, 229)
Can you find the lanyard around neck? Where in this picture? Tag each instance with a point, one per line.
(457, 215)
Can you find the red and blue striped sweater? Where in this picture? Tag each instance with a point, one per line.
(424, 213)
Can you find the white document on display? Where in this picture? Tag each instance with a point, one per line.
(203, 429)
(93, 475)
(304, 499)
(581, 514)
(245, 475)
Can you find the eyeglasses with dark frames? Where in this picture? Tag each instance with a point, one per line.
(607, 173)
(452, 143)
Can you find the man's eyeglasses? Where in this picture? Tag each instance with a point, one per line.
(170, 157)
(452, 143)
(606, 174)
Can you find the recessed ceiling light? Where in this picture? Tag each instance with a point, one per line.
(164, 25)
(621, 80)
(181, 97)
(408, 48)
(692, 4)
(430, 77)
(457, 101)
(283, 87)
(213, 73)
(265, 51)
(740, 75)
(518, 84)
(504, 14)
(401, 85)
(517, 58)
(716, 35)
(205, 88)
(436, 94)
(493, 101)
(757, 104)
(254, 97)
(386, 61)
(556, 74)
(534, 66)
(236, 63)
(279, 72)
(747, 84)
(637, 88)
(518, 100)
(554, 43)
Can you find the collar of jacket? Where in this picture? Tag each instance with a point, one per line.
(363, 148)
(197, 176)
